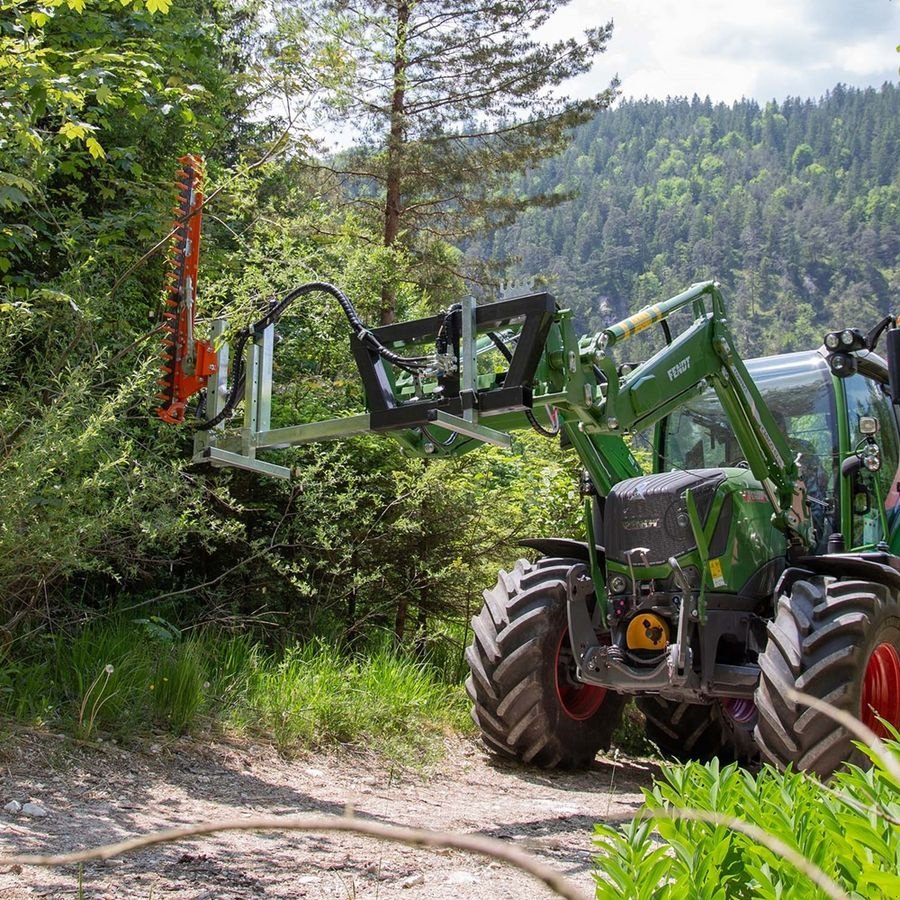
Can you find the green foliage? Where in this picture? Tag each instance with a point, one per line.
(96, 93)
(846, 830)
(318, 695)
(96, 495)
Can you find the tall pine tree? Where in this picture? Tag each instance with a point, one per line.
(452, 100)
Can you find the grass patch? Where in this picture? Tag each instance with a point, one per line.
(126, 678)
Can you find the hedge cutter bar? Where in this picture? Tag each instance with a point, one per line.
(187, 363)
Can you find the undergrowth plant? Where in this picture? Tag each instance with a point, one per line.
(711, 832)
(127, 678)
(95, 698)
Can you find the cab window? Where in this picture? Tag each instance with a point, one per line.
(797, 390)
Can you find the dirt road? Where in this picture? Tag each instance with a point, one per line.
(96, 795)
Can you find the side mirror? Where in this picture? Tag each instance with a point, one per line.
(893, 361)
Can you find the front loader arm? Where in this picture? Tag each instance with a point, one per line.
(445, 384)
(703, 354)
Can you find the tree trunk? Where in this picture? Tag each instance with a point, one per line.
(396, 139)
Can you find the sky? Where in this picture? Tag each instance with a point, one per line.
(729, 49)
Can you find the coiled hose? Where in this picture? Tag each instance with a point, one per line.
(412, 364)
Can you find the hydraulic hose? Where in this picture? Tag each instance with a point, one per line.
(412, 364)
(497, 341)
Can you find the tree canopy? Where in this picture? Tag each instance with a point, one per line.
(448, 102)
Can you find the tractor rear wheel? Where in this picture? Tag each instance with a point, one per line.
(693, 731)
(526, 699)
(838, 641)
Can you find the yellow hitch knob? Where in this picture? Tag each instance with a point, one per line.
(647, 631)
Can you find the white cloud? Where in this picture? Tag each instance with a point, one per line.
(764, 49)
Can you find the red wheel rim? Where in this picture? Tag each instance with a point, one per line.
(578, 701)
(881, 689)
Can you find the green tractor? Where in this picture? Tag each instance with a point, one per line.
(713, 613)
(758, 559)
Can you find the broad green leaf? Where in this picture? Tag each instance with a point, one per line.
(95, 149)
(72, 130)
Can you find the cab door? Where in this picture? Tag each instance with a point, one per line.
(870, 502)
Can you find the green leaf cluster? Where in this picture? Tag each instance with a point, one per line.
(846, 832)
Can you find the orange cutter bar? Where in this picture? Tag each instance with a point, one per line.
(187, 363)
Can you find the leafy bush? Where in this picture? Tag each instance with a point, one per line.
(706, 831)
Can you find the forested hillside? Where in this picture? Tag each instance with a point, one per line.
(793, 206)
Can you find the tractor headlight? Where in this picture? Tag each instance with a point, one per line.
(617, 584)
(871, 458)
(847, 337)
(843, 365)
(832, 340)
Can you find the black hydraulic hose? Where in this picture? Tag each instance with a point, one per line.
(411, 364)
(237, 386)
(497, 341)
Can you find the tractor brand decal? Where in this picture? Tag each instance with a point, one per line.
(679, 368)
(640, 524)
(754, 496)
(715, 569)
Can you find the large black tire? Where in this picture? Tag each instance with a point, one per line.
(695, 731)
(525, 699)
(838, 641)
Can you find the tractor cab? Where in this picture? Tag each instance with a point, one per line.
(827, 420)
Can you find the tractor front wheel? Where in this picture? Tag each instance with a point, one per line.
(526, 699)
(838, 641)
